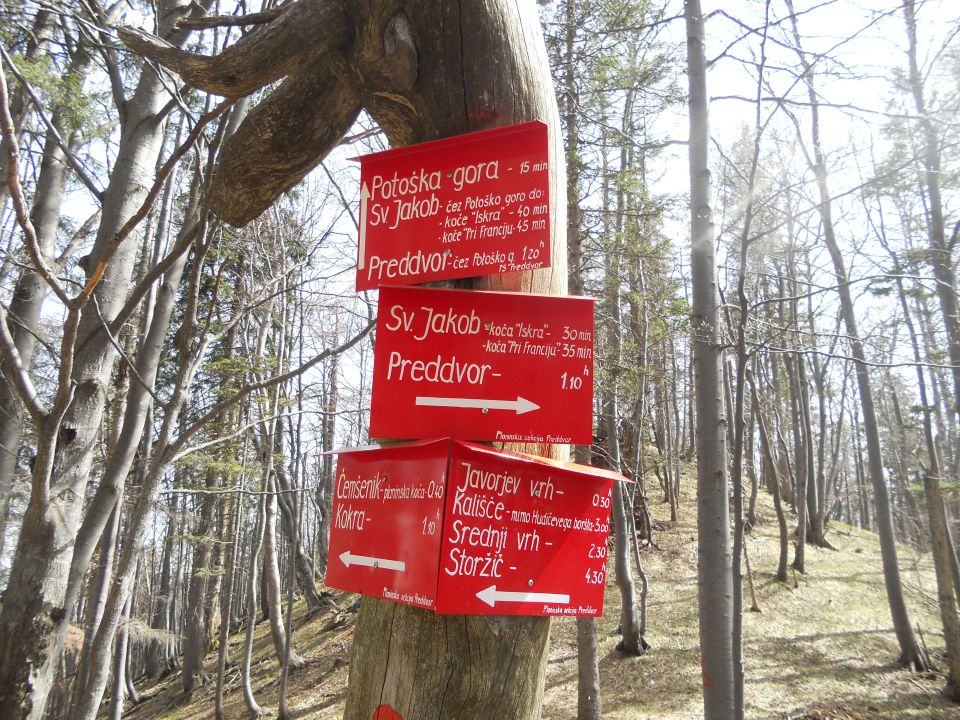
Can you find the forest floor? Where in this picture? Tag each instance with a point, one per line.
(822, 647)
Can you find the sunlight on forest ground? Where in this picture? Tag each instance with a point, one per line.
(824, 649)
(821, 650)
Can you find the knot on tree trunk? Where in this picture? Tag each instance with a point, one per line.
(400, 51)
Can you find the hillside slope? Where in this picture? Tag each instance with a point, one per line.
(822, 647)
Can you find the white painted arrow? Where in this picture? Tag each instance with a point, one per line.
(491, 596)
(521, 405)
(348, 559)
(364, 196)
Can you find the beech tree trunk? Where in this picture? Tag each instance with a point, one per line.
(195, 627)
(773, 484)
(33, 620)
(30, 291)
(304, 567)
(911, 654)
(715, 568)
(271, 569)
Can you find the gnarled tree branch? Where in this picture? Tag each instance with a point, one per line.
(280, 141)
(303, 32)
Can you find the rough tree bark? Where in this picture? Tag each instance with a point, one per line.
(463, 667)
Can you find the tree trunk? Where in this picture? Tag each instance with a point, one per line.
(911, 654)
(588, 672)
(253, 581)
(631, 642)
(302, 564)
(271, 569)
(195, 628)
(325, 489)
(30, 290)
(472, 667)
(419, 72)
(96, 601)
(35, 43)
(226, 605)
(800, 450)
(713, 519)
(156, 650)
(944, 555)
(33, 620)
(814, 512)
(859, 467)
(773, 484)
(941, 253)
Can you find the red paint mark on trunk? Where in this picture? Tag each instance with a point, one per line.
(385, 712)
(703, 673)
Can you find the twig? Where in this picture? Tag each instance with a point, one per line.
(16, 192)
(228, 402)
(212, 21)
(75, 164)
(123, 355)
(141, 213)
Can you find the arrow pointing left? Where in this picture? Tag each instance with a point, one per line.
(348, 559)
(491, 596)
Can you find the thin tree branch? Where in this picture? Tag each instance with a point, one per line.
(17, 373)
(225, 404)
(141, 213)
(16, 192)
(72, 160)
(123, 356)
(212, 21)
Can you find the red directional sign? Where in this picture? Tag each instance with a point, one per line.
(523, 536)
(386, 524)
(474, 204)
(483, 366)
(464, 529)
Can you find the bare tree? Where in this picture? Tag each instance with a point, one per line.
(713, 518)
(911, 654)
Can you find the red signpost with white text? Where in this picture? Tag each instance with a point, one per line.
(474, 204)
(465, 529)
(445, 525)
(483, 366)
(387, 513)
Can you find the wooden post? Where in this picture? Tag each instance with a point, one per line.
(479, 64)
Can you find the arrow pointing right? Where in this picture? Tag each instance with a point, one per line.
(521, 405)
(364, 196)
(491, 596)
(348, 559)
